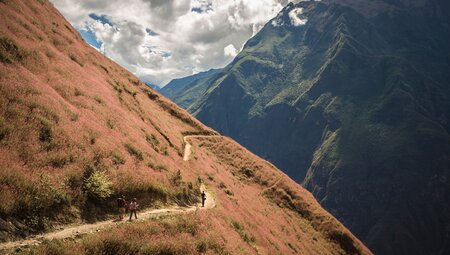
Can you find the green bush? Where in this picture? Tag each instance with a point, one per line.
(98, 185)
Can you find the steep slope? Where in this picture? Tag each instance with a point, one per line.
(353, 100)
(77, 130)
(185, 90)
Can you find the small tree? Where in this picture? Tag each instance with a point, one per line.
(98, 185)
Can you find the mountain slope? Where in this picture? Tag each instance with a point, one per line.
(153, 86)
(77, 131)
(352, 100)
(185, 90)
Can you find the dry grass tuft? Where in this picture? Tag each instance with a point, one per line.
(134, 151)
(10, 52)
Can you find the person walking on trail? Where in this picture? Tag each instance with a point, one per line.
(121, 204)
(203, 198)
(133, 208)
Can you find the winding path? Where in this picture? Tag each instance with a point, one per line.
(188, 152)
(72, 231)
(188, 146)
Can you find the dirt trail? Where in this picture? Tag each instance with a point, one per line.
(72, 231)
(188, 152)
(188, 146)
(271, 186)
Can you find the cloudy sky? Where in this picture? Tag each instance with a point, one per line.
(159, 40)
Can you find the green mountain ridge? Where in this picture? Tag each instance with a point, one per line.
(186, 90)
(354, 106)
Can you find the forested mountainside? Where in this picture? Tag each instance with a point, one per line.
(350, 98)
(77, 131)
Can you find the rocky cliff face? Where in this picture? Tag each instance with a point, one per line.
(353, 101)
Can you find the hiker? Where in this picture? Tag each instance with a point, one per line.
(203, 198)
(133, 208)
(122, 204)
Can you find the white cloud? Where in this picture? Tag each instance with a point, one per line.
(294, 15)
(159, 40)
(230, 51)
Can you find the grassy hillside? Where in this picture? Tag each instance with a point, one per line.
(77, 130)
(354, 104)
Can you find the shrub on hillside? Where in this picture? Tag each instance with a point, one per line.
(9, 51)
(134, 151)
(97, 185)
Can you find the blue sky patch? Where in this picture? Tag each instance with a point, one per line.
(90, 38)
(165, 54)
(102, 19)
(197, 10)
(156, 50)
(203, 8)
(151, 32)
